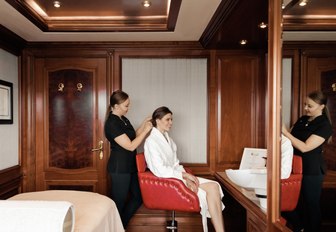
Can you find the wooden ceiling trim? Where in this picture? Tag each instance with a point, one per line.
(173, 14)
(309, 24)
(224, 10)
(22, 7)
(10, 41)
(127, 24)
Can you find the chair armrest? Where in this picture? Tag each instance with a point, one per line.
(167, 193)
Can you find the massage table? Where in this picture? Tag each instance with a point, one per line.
(92, 212)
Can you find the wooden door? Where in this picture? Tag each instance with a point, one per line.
(71, 101)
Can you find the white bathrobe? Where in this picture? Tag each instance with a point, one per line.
(286, 157)
(161, 158)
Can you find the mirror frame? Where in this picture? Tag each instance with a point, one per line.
(273, 131)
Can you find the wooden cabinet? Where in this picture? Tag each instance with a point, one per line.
(256, 220)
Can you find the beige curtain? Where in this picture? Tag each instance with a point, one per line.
(179, 84)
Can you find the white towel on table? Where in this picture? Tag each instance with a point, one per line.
(35, 216)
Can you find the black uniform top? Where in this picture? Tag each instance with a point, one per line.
(121, 160)
(312, 161)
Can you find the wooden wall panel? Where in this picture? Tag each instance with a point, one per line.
(10, 182)
(240, 91)
(313, 69)
(316, 59)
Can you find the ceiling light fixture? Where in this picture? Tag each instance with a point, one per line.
(243, 42)
(146, 3)
(262, 25)
(303, 2)
(57, 4)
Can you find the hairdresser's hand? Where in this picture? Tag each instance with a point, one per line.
(148, 126)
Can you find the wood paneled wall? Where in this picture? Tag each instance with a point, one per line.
(10, 181)
(310, 60)
(236, 96)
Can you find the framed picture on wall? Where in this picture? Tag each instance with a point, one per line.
(6, 102)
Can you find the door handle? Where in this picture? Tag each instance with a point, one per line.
(100, 149)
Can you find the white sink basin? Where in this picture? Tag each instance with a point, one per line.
(248, 178)
(251, 179)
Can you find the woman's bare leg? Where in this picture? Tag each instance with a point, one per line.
(214, 204)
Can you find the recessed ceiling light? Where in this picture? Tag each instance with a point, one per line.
(262, 25)
(243, 42)
(303, 3)
(57, 4)
(146, 3)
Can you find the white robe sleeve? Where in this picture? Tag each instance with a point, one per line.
(160, 166)
(286, 157)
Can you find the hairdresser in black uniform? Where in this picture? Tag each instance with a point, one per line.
(308, 135)
(122, 165)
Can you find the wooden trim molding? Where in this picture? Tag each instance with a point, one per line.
(101, 23)
(10, 182)
(10, 41)
(223, 11)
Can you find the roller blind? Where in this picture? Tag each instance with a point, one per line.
(179, 84)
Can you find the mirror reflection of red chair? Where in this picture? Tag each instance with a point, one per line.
(165, 193)
(290, 188)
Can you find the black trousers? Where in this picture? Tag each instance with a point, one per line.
(126, 194)
(307, 214)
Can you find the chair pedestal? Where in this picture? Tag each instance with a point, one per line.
(172, 224)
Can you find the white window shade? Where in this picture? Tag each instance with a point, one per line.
(179, 84)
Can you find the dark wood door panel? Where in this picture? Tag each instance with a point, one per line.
(70, 118)
(71, 96)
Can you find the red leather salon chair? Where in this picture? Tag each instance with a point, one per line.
(165, 193)
(290, 187)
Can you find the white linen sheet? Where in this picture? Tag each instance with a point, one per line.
(93, 212)
(36, 216)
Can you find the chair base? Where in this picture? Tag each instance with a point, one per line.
(172, 225)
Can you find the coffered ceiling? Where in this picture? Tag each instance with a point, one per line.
(100, 15)
(216, 24)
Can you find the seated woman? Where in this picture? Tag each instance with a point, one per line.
(161, 158)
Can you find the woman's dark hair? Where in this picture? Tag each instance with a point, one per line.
(117, 97)
(159, 113)
(320, 98)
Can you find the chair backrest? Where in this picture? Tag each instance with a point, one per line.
(141, 162)
(291, 187)
(164, 193)
(297, 164)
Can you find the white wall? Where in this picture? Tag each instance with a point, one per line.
(9, 133)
